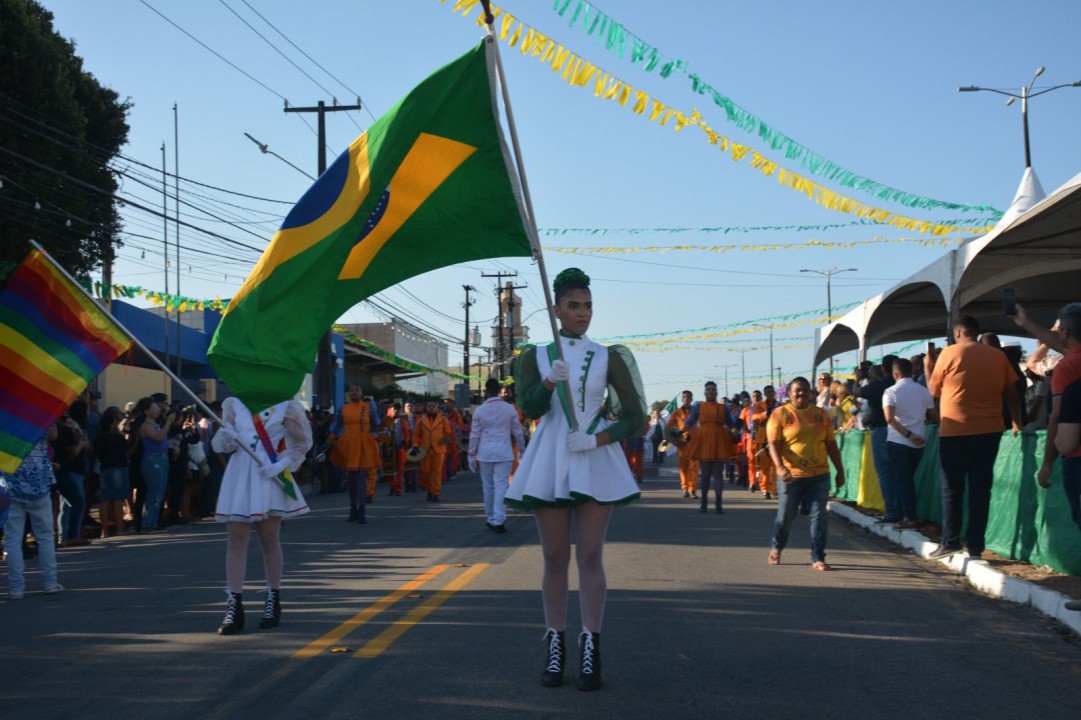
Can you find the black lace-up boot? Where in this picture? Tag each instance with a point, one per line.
(556, 652)
(272, 610)
(234, 615)
(589, 646)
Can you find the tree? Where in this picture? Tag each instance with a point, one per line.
(59, 129)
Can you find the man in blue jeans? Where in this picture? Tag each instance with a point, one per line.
(872, 394)
(907, 406)
(29, 489)
(801, 445)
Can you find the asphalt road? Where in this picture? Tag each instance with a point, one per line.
(440, 618)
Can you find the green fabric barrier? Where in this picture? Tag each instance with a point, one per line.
(1026, 522)
(851, 446)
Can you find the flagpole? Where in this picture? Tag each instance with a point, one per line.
(534, 237)
(198, 401)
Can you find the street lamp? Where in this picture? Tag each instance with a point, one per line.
(829, 298)
(770, 328)
(726, 391)
(743, 365)
(1026, 93)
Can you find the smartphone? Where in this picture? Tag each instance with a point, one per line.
(1009, 302)
(931, 348)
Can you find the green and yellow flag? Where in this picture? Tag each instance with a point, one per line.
(430, 184)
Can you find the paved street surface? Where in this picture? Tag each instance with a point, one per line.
(440, 618)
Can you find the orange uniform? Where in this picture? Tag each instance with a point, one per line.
(436, 434)
(401, 436)
(456, 424)
(710, 439)
(517, 450)
(688, 466)
(747, 441)
(767, 482)
(355, 448)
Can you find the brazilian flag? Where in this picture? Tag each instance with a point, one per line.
(430, 184)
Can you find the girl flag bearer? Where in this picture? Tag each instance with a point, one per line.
(251, 495)
(576, 477)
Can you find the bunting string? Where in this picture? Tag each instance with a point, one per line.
(182, 303)
(579, 72)
(764, 247)
(765, 323)
(973, 224)
(615, 37)
(672, 348)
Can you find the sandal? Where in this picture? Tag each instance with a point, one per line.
(820, 566)
(774, 557)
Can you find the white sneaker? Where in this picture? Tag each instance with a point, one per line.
(57, 588)
(15, 596)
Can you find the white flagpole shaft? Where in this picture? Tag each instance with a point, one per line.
(534, 236)
(154, 358)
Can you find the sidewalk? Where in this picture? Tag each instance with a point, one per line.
(977, 573)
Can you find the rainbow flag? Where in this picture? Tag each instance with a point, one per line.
(53, 341)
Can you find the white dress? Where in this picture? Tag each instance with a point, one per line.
(549, 474)
(245, 495)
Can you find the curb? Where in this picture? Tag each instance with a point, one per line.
(977, 573)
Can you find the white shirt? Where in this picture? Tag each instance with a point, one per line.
(494, 424)
(910, 402)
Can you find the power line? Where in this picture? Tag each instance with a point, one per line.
(216, 53)
(95, 188)
(274, 47)
(106, 154)
(352, 92)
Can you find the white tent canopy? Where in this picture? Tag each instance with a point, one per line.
(1035, 249)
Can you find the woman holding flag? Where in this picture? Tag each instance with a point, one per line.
(253, 494)
(576, 475)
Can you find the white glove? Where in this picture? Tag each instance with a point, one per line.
(228, 433)
(558, 372)
(580, 441)
(273, 470)
(472, 463)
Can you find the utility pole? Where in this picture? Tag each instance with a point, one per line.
(165, 240)
(176, 202)
(324, 377)
(829, 273)
(465, 343)
(501, 348)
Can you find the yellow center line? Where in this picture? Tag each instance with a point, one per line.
(385, 639)
(367, 614)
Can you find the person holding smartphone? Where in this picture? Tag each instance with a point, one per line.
(1066, 339)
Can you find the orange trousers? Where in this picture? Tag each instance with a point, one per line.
(767, 481)
(431, 472)
(397, 480)
(752, 466)
(635, 459)
(688, 474)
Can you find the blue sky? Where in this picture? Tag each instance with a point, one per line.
(869, 86)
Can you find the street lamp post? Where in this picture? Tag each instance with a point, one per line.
(770, 328)
(743, 366)
(727, 393)
(1026, 93)
(829, 298)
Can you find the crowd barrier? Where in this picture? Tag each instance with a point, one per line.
(1027, 522)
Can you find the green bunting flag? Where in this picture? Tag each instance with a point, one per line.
(428, 185)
